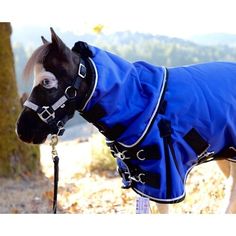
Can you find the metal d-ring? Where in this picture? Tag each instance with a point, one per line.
(70, 92)
(140, 158)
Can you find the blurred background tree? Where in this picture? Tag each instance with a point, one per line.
(16, 158)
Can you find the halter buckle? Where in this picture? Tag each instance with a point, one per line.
(82, 71)
(46, 114)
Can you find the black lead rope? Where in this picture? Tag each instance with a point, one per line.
(54, 141)
(56, 172)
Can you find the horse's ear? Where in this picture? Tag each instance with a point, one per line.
(44, 40)
(56, 40)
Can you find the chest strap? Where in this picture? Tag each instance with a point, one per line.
(132, 175)
(227, 153)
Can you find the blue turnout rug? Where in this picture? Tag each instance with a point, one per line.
(161, 122)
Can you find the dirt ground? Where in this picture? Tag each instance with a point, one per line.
(83, 192)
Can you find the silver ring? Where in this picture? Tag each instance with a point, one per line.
(67, 92)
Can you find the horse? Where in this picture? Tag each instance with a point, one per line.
(153, 117)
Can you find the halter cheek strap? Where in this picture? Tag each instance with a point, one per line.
(48, 113)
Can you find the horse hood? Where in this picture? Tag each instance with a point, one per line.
(125, 95)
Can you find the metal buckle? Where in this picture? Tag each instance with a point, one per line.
(82, 71)
(61, 128)
(139, 178)
(232, 148)
(121, 155)
(206, 156)
(126, 178)
(46, 114)
(125, 175)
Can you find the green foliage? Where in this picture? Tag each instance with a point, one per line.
(102, 160)
(161, 50)
(15, 157)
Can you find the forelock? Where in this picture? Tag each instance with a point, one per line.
(37, 57)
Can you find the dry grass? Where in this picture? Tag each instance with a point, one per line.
(81, 191)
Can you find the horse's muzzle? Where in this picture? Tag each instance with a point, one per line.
(30, 129)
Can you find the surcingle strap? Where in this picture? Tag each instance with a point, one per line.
(165, 132)
(227, 153)
(196, 142)
(144, 177)
(200, 146)
(133, 174)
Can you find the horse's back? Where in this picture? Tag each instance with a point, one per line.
(211, 71)
(203, 96)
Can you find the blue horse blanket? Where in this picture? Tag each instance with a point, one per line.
(161, 122)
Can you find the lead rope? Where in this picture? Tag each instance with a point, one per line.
(55, 158)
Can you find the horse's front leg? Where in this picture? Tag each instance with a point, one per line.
(231, 208)
(163, 208)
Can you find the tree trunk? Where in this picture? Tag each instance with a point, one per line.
(16, 158)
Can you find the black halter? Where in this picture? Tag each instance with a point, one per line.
(48, 113)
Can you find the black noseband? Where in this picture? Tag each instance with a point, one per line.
(48, 113)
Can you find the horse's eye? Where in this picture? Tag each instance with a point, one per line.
(45, 82)
(49, 83)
